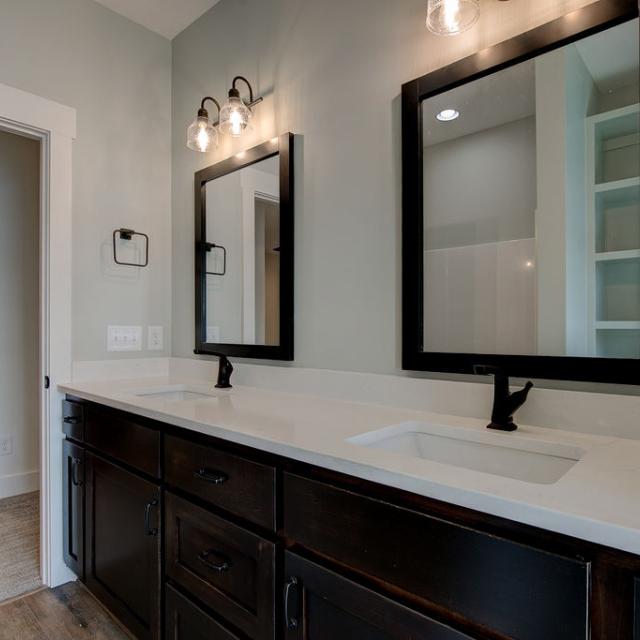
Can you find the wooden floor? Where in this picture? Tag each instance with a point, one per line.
(68, 612)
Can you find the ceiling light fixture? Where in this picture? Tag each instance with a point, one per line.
(450, 17)
(446, 115)
(202, 135)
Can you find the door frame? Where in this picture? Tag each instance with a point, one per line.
(54, 125)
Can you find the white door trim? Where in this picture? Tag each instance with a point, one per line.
(55, 126)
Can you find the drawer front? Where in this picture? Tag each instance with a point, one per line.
(515, 590)
(238, 485)
(227, 568)
(320, 605)
(73, 420)
(186, 621)
(123, 438)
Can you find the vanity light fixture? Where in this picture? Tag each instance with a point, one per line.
(202, 134)
(236, 114)
(451, 17)
(446, 115)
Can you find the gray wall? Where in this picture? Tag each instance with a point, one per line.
(331, 71)
(19, 309)
(118, 76)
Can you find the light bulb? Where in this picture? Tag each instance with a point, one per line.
(450, 17)
(234, 117)
(202, 135)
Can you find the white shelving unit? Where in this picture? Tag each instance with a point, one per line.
(613, 230)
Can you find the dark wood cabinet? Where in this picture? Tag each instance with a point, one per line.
(73, 507)
(186, 621)
(636, 609)
(123, 545)
(321, 605)
(258, 547)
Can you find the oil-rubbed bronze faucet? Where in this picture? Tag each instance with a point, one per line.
(225, 369)
(505, 404)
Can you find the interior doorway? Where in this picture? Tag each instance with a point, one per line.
(20, 294)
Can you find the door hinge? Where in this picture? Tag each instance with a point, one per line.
(47, 382)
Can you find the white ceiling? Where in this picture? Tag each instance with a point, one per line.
(166, 17)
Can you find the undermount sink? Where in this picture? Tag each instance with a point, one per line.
(174, 393)
(509, 455)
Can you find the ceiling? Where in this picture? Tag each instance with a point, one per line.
(166, 17)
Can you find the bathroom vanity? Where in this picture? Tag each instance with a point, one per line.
(193, 513)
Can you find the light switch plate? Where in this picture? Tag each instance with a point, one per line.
(124, 338)
(155, 339)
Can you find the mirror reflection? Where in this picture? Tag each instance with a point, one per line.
(243, 256)
(532, 206)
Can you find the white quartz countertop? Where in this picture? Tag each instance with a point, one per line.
(598, 499)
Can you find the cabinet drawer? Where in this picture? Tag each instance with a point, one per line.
(229, 569)
(238, 485)
(124, 438)
(320, 604)
(518, 591)
(73, 420)
(186, 621)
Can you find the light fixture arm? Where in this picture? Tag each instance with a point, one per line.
(202, 112)
(234, 93)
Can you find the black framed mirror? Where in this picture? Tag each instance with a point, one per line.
(244, 216)
(521, 204)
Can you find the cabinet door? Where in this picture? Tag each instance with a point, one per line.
(320, 604)
(123, 545)
(186, 621)
(636, 610)
(73, 507)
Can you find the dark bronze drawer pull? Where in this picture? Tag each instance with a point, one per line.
(150, 531)
(291, 589)
(72, 419)
(75, 463)
(223, 565)
(211, 476)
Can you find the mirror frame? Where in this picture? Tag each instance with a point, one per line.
(576, 25)
(283, 147)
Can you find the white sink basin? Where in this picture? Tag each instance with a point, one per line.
(509, 455)
(175, 393)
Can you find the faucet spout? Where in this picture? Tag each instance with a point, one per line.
(225, 369)
(505, 403)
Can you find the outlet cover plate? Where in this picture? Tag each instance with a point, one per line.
(6, 445)
(155, 340)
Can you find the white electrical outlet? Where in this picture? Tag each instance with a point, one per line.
(154, 339)
(6, 445)
(124, 338)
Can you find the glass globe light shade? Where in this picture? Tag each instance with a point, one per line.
(235, 117)
(202, 135)
(450, 17)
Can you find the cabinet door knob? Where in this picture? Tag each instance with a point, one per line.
(211, 475)
(290, 590)
(150, 531)
(224, 563)
(72, 419)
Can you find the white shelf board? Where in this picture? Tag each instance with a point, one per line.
(606, 256)
(614, 114)
(627, 183)
(625, 325)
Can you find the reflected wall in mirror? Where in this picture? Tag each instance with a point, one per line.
(244, 262)
(530, 206)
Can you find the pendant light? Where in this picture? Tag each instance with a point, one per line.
(236, 114)
(202, 135)
(450, 17)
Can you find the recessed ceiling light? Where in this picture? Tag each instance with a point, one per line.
(447, 115)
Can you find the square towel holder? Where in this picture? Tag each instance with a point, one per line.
(127, 234)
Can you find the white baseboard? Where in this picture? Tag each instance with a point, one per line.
(19, 483)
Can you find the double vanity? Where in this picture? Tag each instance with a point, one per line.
(193, 513)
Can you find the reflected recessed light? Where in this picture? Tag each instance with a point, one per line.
(447, 114)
